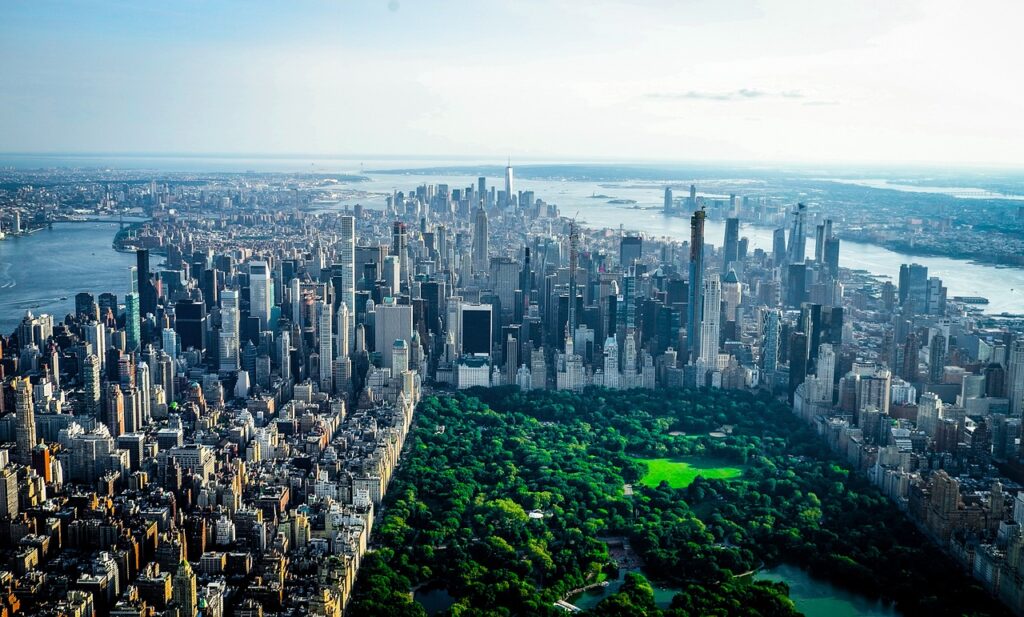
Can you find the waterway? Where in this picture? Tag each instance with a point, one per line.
(43, 271)
(591, 598)
(817, 598)
(813, 597)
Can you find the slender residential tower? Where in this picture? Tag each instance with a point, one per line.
(696, 284)
(347, 252)
(325, 321)
(574, 258)
(710, 323)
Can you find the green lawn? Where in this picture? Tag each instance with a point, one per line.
(681, 473)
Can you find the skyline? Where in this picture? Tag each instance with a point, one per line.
(744, 81)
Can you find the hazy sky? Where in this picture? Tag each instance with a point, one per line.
(894, 81)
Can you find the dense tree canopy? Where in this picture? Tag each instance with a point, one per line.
(503, 495)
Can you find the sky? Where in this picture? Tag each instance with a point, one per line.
(909, 81)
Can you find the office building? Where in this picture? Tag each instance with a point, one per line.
(190, 324)
(795, 251)
(25, 422)
(731, 245)
(229, 338)
(261, 295)
(393, 322)
(132, 322)
(476, 327)
(146, 287)
(480, 240)
(630, 251)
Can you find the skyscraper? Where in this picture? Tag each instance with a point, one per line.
(695, 302)
(779, 246)
(284, 348)
(731, 246)
(668, 199)
(144, 383)
(324, 324)
(574, 261)
(96, 335)
(771, 330)
(295, 299)
(832, 256)
(114, 418)
(190, 324)
(936, 357)
(797, 236)
(183, 590)
(913, 288)
(132, 321)
(825, 371)
(347, 253)
(796, 284)
(474, 328)
(91, 393)
(85, 305)
(170, 343)
(341, 344)
(908, 370)
(261, 293)
(819, 242)
(509, 188)
(710, 325)
(480, 240)
(229, 331)
(393, 321)
(391, 273)
(399, 247)
(504, 279)
(1015, 377)
(146, 288)
(630, 251)
(25, 418)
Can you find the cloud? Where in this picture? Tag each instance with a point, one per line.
(821, 103)
(742, 94)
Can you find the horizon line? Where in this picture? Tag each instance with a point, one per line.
(479, 159)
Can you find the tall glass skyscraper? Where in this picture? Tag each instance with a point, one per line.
(261, 292)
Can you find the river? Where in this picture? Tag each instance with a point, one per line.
(43, 271)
